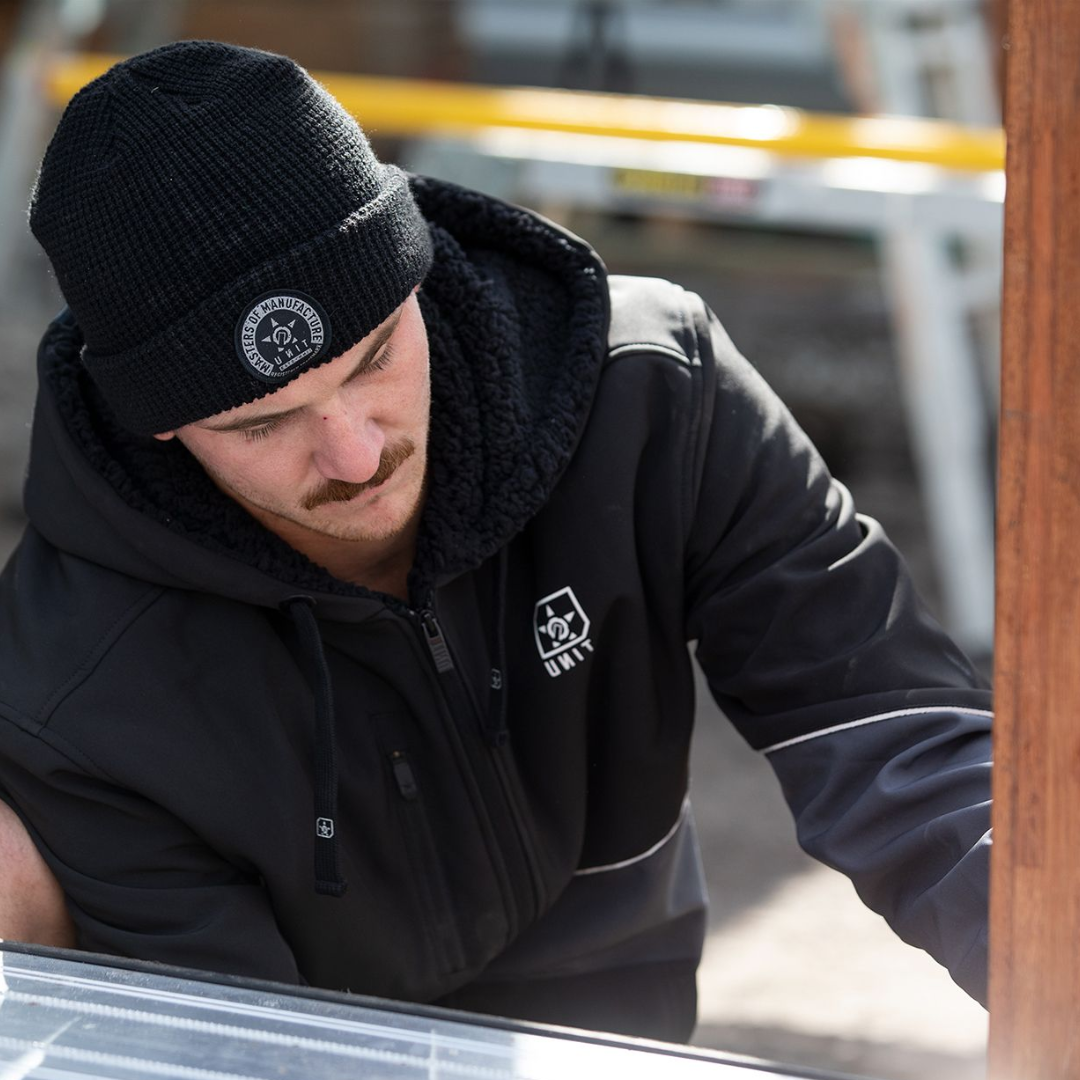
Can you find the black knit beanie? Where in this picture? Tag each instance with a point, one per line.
(218, 225)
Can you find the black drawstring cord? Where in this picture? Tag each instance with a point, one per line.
(328, 880)
(496, 728)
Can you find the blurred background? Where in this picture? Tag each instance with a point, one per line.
(864, 287)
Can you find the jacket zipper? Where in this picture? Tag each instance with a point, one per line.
(444, 664)
(436, 643)
(403, 774)
(439, 652)
(524, 838)
(441, 918)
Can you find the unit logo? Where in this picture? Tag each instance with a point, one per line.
(561, 629)
(280, 333)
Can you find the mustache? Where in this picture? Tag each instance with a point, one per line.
(331, 491)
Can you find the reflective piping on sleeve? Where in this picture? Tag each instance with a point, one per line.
(645, 854)
(873, 720)
(644, 346)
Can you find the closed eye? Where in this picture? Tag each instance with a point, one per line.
(262, 431)
(384, 359)
(381, 360)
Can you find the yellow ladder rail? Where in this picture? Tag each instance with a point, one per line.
(407, 107)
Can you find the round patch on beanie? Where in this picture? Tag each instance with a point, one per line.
(280, 333)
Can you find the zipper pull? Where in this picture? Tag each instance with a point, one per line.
(403, 774)
(436, 643)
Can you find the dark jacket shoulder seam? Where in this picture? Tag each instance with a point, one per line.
(56, 743)
(691, 430)
(118, 627)
(697, 436)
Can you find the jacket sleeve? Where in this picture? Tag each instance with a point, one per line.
(818, 650)
(157, 891)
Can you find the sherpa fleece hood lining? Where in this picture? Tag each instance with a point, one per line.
(516, 312)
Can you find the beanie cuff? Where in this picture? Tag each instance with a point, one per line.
(359, 272)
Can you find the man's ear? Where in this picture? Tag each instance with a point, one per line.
(165, 436)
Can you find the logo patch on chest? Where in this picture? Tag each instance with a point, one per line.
(561, 629)
(281, 333)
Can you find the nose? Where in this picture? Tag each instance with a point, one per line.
(347, 447)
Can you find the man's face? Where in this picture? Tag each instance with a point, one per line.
(340, 451)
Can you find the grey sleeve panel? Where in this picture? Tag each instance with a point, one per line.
(652, 315)
(648, 909)
(901, 805)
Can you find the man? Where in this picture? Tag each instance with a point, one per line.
(369, 523)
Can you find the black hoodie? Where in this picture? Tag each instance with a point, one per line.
(232, 760)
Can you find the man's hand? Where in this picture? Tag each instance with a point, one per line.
(31, 904)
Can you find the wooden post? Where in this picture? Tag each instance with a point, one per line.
(1035, 901)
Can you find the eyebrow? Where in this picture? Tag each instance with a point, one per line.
(382, 336)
